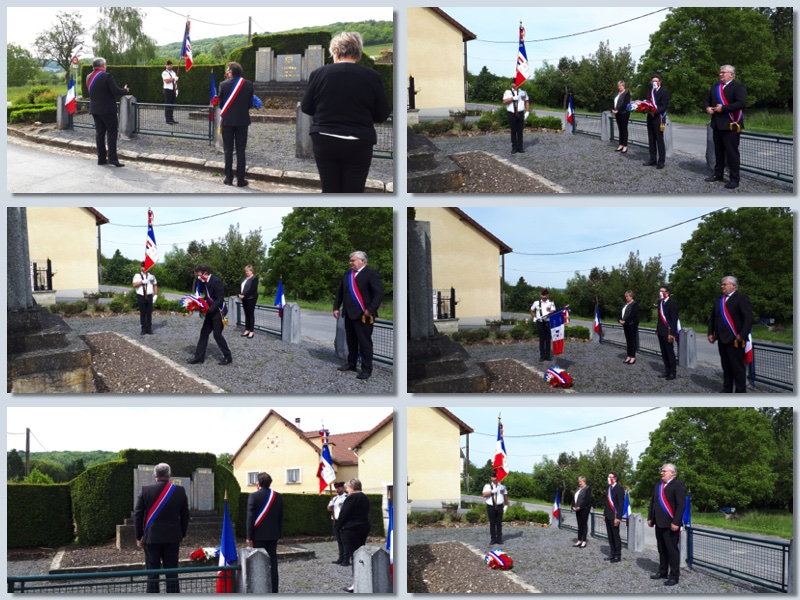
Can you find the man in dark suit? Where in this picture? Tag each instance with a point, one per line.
(666, 513)
(265, 522)
(236, 99)
(666, 330)
(725, 102)
(656, 122)
(615, 502)
(160, 520)
(103, 92)
(361, 292)
(211, 288)
(730, 324)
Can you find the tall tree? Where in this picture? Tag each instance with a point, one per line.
(120, 270)
(20, 65)
(119, 36)
(782, 425)
(15, 467)
(228, 256)
(57, 43)
(756, 245)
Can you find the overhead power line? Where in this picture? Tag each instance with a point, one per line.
(621, 241)
(204, 22)
(535, 435)
(180, 222)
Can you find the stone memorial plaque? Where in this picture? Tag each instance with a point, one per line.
(264, 64)
(203, 488)
(315, 58)
(288, 67)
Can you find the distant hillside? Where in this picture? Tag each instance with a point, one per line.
(66, 458)
(375, 33)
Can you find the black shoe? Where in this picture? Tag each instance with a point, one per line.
(671, 376)
(671, 581)
(226, 360)
(173, 122)
(499, 542)
(608, 558)
(364, 374)
(658, 576)
(616, 559)
(243, 183)
(649, 163)
(227, 181)
(196, 361)
(143, 333)
(514, 151)
(347, 367)
(349, 590)
(102, 162)
(731, 185)
(712, 179)
(115, 163)
(663, 375)
(660, 166)
(521, 151)
(345, 563)
(149, 333)
(336, 562)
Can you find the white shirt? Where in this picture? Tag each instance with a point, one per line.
(522, 98)
(148, 281)
(336, 502)
(169, 75)
(542, 309)
(498, 492)
(616, 99)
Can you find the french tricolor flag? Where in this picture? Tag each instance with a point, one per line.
(70, 101)
(500, 464)
(570, 112)
(557, 508)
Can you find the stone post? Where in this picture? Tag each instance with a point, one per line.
(127, 115)
(683, 545)
(256, 573)
(605, 126)
(371, 571)
(303, 147)
(216, 138)
(264, 65)
(22, 312)
(636, 525)
(62, 116)
(420, 281)
(668, 146)
(711, 156)
(340, 341)
(290, 328)
(790, 584)
(687, 348)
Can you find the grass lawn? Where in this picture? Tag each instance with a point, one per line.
(386, 311)
(779, 524)
(13, 92)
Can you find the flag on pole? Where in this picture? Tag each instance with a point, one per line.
(523, 70)
(227, 553)
(557, 508)
(626, 507)
(748, 349)
(70, 101)
(280, 299)
(557, 331)
(500, 464)
(390, 542)
(214, 98)
(150, 247)
(186, 47)
(687, 512)
(598, 326)
(570, 113)
(325, 472)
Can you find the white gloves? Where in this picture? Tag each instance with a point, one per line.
(155, 297)
(527, 113)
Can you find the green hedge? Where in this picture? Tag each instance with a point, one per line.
(101, 500)
(225, 481)
(281, 43)
(181, 463)
(43, 114)
(577, 331)
(38, 515)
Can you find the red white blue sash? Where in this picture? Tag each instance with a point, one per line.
(663, 500)
(726, 316)
(663, 316)
(355, 293)
(722, 100)
(160, 502)
(91, 79)
(237, 86)
(653, 98)
(610, 501)
(267, 506)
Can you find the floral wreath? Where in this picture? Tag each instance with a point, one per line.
(497, 559)
(558, 377)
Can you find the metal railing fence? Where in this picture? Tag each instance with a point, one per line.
(588, 124)
(385, 146)
(773, 364)
(191, 580)
(767, 154)
(597, 528)
(383, 341)
(756, 560)
(267, 318)
(647, 340)
(194, 122)
(81, 118)
(637, 132)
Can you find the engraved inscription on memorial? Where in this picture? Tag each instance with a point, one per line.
(288, 67)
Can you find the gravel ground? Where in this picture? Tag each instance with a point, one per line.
(486, 175)
(507, 376)
(597, 368)
(545, 559)
(261, 365)
(587, 165)
(269, 145)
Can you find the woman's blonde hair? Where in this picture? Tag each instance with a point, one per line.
(347, 43)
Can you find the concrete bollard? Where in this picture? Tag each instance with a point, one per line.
(687, 348)
(62, 116)
(256, 573)
(605, 126)
(127, 115)
(668, 145)
(290, 328)
(711, 156)
(371, 571)
(340, 341)
(636, 525)
(303, 146)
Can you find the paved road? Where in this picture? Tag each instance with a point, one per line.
(61, 171)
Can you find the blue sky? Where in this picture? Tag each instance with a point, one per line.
(493, 25)
(559, 229)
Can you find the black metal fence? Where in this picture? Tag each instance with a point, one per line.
(42, 279)
(267, 318)
(597, 528)
(767, 154)
(756, 560)
(646, 341)
(385, 146)
(588, 124)
(773, 364)
(190, 580)
(383, 341)
(637, 132)
(81, 117)
(446, 304)
(193, 122)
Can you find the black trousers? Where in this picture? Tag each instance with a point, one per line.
(631, 331)
(545, 339)
(655, 139)
(211, 323)
(343, 165)
(495, 514)
(359, 341)
(614, 541)
(271, 546)
(582, 516)
(162, 556)
(106, 128)
(235, 137)
(343, 556)
(668, 355)
(517, 124)
(249, 307)
(622, 124)
(354, 538)
(145, 312)
(734, 370)
(669, 555)
(169, 100)
(726, 150)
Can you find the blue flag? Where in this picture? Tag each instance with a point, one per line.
(390, 541)
(687, 512)
(227, 553)
(280, 299)
(626, 507)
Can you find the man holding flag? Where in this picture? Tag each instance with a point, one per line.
(730, 324)
(495, 492)
(666, 513)
(515, 99)
(145, 283)
(540, 311)
(335, 507)
(265, 522)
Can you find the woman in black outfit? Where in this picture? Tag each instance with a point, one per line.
(630, 325)
(621, 114)
(353, 522)
(249, 296)
(582, 507)
(345, 101)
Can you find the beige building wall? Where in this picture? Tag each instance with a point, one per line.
(376, 460)
(68, 237)
(464, 259)
(435, 57)
(433, 458)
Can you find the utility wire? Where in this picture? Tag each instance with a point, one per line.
(570, 270)
(205, 22)
(40, 443)
(621, 241)
(534, 435)
(515, 455)
(180, 222)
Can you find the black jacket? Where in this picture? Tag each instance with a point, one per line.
(622, 104)
(584, 498)
(238, 114)
(368, 282)
(272, 524)
(250, 291)
(618, 497)
(354, 513)
(103, 94)
(631, 314)
(675, 495)
(671, 314)
(172, 521)
(214, 291)
(738, 307)
(662, 103)
(736, 96)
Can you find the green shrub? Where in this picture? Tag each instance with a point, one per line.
(577, 331)
(100, 308)
(501, 335)
(467, 126)
(485, 122)
(440, 127)
(131, 303)
(102, 498)
(181, 463)
(38, 515)
(471, 335)
(43, 114)
(500, 119)
(36, 92)
(428, 518)
(74, 308)
(57, 308)
(519, 332)
(117, 305)
(454, 517)
(473, 516)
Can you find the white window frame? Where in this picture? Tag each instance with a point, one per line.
(299, 475)
(252, 478)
